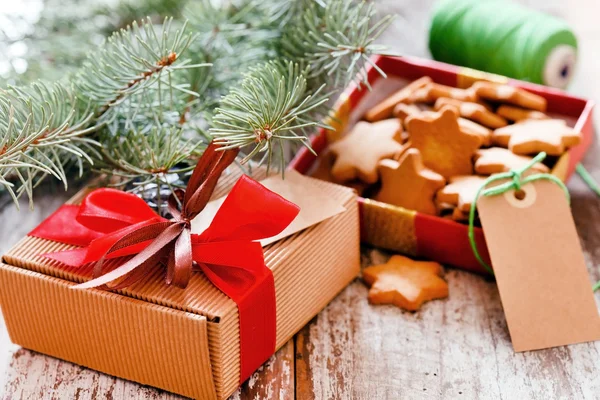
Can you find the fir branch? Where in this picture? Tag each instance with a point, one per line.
(40, 132)
(144, 95)
(227, 24)
(139, 159)
(132, 60)
(233, 36)
(272, 105)
(131, 82)
(336, 40)
(282, 12)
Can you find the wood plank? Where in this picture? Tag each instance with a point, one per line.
(451, 348)
(31, 375)
(274, 380)
(35, 376)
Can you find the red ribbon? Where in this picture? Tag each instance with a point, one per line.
(112, 223)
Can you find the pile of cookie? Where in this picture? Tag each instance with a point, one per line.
(429, 147)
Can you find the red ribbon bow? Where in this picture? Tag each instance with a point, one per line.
(112, 223)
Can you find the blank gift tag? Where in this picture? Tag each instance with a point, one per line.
(315, 206)
(539, 266)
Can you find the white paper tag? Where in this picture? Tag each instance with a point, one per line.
(299, 189)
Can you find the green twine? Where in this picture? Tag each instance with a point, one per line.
(503, 38)
(593, 185)
(588, 179)
(516, 182)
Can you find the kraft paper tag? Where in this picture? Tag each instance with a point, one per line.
(539, 266)
(297, 188)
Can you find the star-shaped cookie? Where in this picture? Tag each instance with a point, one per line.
(322, 171)
(437, 90)
(407, 183)
(476, 129)
(472, 111)
(460, 192)
(519, 114)
(445, 148)
(405, 283)
(384, 109)
(533, 136)
(496, 159)
(358, 153)
(403, 111)
(509, 94)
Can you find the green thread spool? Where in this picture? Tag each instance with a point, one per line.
(504, 38)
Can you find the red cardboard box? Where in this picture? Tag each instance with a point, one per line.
(410, 232)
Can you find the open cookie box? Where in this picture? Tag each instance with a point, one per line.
(410, 232)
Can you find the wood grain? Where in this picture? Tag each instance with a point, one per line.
(454, 348)
(274, 380)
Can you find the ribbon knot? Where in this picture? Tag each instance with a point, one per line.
(516, 179)
(169, 241)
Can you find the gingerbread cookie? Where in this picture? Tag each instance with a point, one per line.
(433, 91)
(509, 94)
(437, 91)
(407, 183)
(405, 283)
(517, 114)
(459, 215)
(460, 192)
(403, 111)
(421, 95)
(358, 153)
(444, 147)
(533, 136)
(384, 109)
(496, 160)
(473, 128)
(473, 111)
(322, 171)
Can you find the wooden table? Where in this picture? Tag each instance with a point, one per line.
(456, 348)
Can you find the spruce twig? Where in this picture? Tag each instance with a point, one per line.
(41, 130)
(148, 98)
(336, 40)
(272, 105)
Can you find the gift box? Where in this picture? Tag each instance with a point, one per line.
(410, 232)
(185, 341)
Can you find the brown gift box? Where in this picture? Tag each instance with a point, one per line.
(184, 341)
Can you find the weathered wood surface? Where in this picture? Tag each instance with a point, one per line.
(456, 348)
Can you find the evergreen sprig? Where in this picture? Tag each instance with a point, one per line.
(131, 84)
(133, 60)
(336, 40)
(145, 158)
(148, 96)
(41, 130)
(273, 104)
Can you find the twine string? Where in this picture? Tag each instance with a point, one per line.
(515, 182)
(501, 37)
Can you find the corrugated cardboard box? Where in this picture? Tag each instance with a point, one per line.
(184, 341)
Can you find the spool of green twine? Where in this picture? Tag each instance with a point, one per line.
(504, 38)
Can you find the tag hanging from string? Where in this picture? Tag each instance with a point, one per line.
(538, 263)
